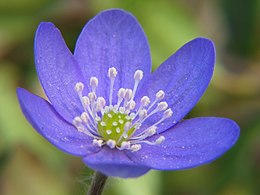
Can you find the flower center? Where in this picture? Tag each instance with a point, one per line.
(116, 125)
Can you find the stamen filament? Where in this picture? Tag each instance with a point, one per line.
(112, 72)
(138, 77)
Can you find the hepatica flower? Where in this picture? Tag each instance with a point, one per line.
(107, 107)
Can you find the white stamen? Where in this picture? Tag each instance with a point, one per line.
(85, 117)
(146, 133)
(138, 77)
(85, 101)
(145, 101)
(122, 110)
(112, 72)
(97, 142)
(160, 95)
(101, 102)
(93, 83)
(136, 147)
(130, 105)
(142, 114)
(124, 134)
(92, 96)
(156, 142)
(111, 143)
(162, 106)
(128, 94)
(160, 140)
(167, 113)
(120, 95)
(77, 121)
(79, 87)
(125, 145)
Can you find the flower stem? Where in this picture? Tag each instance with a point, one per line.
(97, 184)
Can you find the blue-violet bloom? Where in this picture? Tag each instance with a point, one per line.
(107, 107)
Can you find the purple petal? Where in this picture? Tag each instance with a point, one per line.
(184, 77)
(113, 38)
(114, 163)
(57, 71)
(50, 125)
(189, 144)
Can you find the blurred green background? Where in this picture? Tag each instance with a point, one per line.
(29, 165)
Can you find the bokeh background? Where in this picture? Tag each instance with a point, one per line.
(29, 165)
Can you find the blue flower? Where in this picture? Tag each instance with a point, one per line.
(107, 107)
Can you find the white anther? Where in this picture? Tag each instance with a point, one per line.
(79, 87)
(128, 117)
(108, 131)
(97, 142)
(167, 113)
(85, 117)
(77, 121)
(142, 114)
(106, 109)
(145, 101)
(162, 106)
(111, 143)
(93, 82)
(160, 140)
(136, 147)
(122, 110)
(131, 105)
(128, 94)
(127, 126)
(160, 95)
(125, 145)
(101, 102)
(131, 116)
(138, 75)
(112, 72)
(121, 93)
(151, 131)
(121, 121)
(92, 96)
(85, 101)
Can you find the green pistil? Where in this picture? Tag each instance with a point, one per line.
(112, 126)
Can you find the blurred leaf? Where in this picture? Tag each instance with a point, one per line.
(15, 128)
(25, 175)
(147, 184)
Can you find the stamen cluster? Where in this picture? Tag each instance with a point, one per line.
(116, 125)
